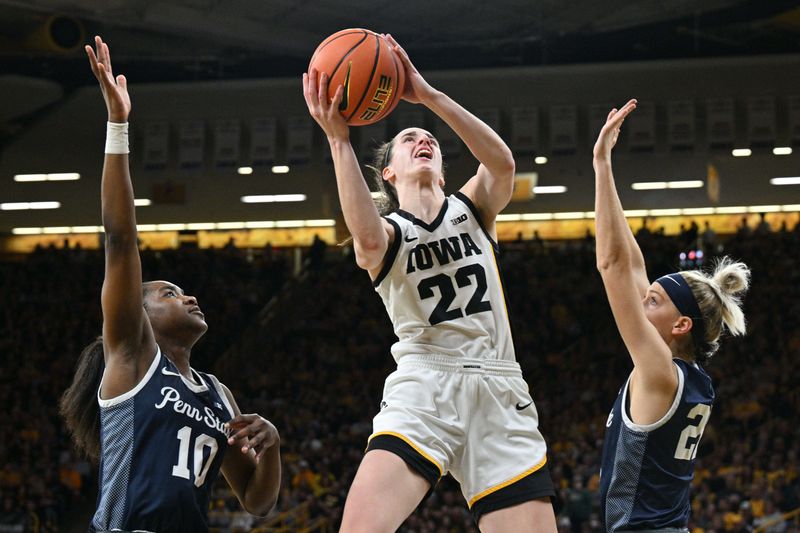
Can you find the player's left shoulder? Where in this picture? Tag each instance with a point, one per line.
(469, 215)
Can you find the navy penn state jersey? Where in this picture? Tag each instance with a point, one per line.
(647, 470)
(162, 445)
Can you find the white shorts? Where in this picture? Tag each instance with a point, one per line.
(473, 418)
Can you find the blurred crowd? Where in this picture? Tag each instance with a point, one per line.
(314, 363)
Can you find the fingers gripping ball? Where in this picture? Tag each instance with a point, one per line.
(372, 75)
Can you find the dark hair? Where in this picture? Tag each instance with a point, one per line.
(78, 405)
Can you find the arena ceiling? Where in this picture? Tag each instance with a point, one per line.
(224, 39)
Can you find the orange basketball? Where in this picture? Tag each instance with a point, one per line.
(372, 74)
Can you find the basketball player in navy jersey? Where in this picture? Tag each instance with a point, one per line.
(457, 402)
(670, 328)
(164, 430)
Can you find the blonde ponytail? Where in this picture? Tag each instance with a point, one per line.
(719, 297)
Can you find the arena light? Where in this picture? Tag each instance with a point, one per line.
(785, 181)
(537, 216)
(21, 206)
(782, 150)
(56, 176)
(635, 212)
(730, 210)
(245, 171)
(540, 160)
(230, 225)
(685, 184)
(664, 212)
(289, 224)
(568, 215)
(30, 177)
(170, 227)
(56, 230)
(698, 211)
(550, 189)
(45, 205)
(27, 231)
(658, 185)
(270, 198)
(198, 226)
(790, 207)
(511, 217)
(741, 152)
(63, 176)
(280, 169)
(321, 223)
(648, 185)
(260, 224)
(86, 229)
(142, 202)
(764, 208)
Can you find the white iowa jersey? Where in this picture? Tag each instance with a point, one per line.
(441, 286)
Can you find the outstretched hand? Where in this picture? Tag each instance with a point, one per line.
(610, 132)
(325, 111)
(252, 432)
(115, 90)
(416, 89)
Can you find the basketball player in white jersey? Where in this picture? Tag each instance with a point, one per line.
(457, 402)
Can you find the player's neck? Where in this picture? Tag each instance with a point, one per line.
(179, 355)
(424, 201)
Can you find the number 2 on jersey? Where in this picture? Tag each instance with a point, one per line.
(695, 430)
(447, 293)
(200, 467)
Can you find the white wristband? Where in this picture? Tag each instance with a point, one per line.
(117, 138)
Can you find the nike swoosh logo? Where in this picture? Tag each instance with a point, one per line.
(412, 239)
(521, 407)
(346, 96)
(169, 372)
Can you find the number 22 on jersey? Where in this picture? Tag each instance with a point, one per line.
(447, 293)
(685, 450)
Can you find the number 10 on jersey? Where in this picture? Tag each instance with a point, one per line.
(200, 467)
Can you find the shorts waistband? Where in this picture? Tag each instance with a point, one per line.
(447, 363)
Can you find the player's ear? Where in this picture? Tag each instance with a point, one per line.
(389, 174)
(682, 326)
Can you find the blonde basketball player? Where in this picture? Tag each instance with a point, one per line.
(671, 327)
(457, 402)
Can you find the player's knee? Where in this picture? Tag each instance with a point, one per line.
(363, 519)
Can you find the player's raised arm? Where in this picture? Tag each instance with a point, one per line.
(491, 187)
(129, 344)
(371, 235)
(622, 268)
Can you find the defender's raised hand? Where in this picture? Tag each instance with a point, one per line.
(610, 132)
(115, 90)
